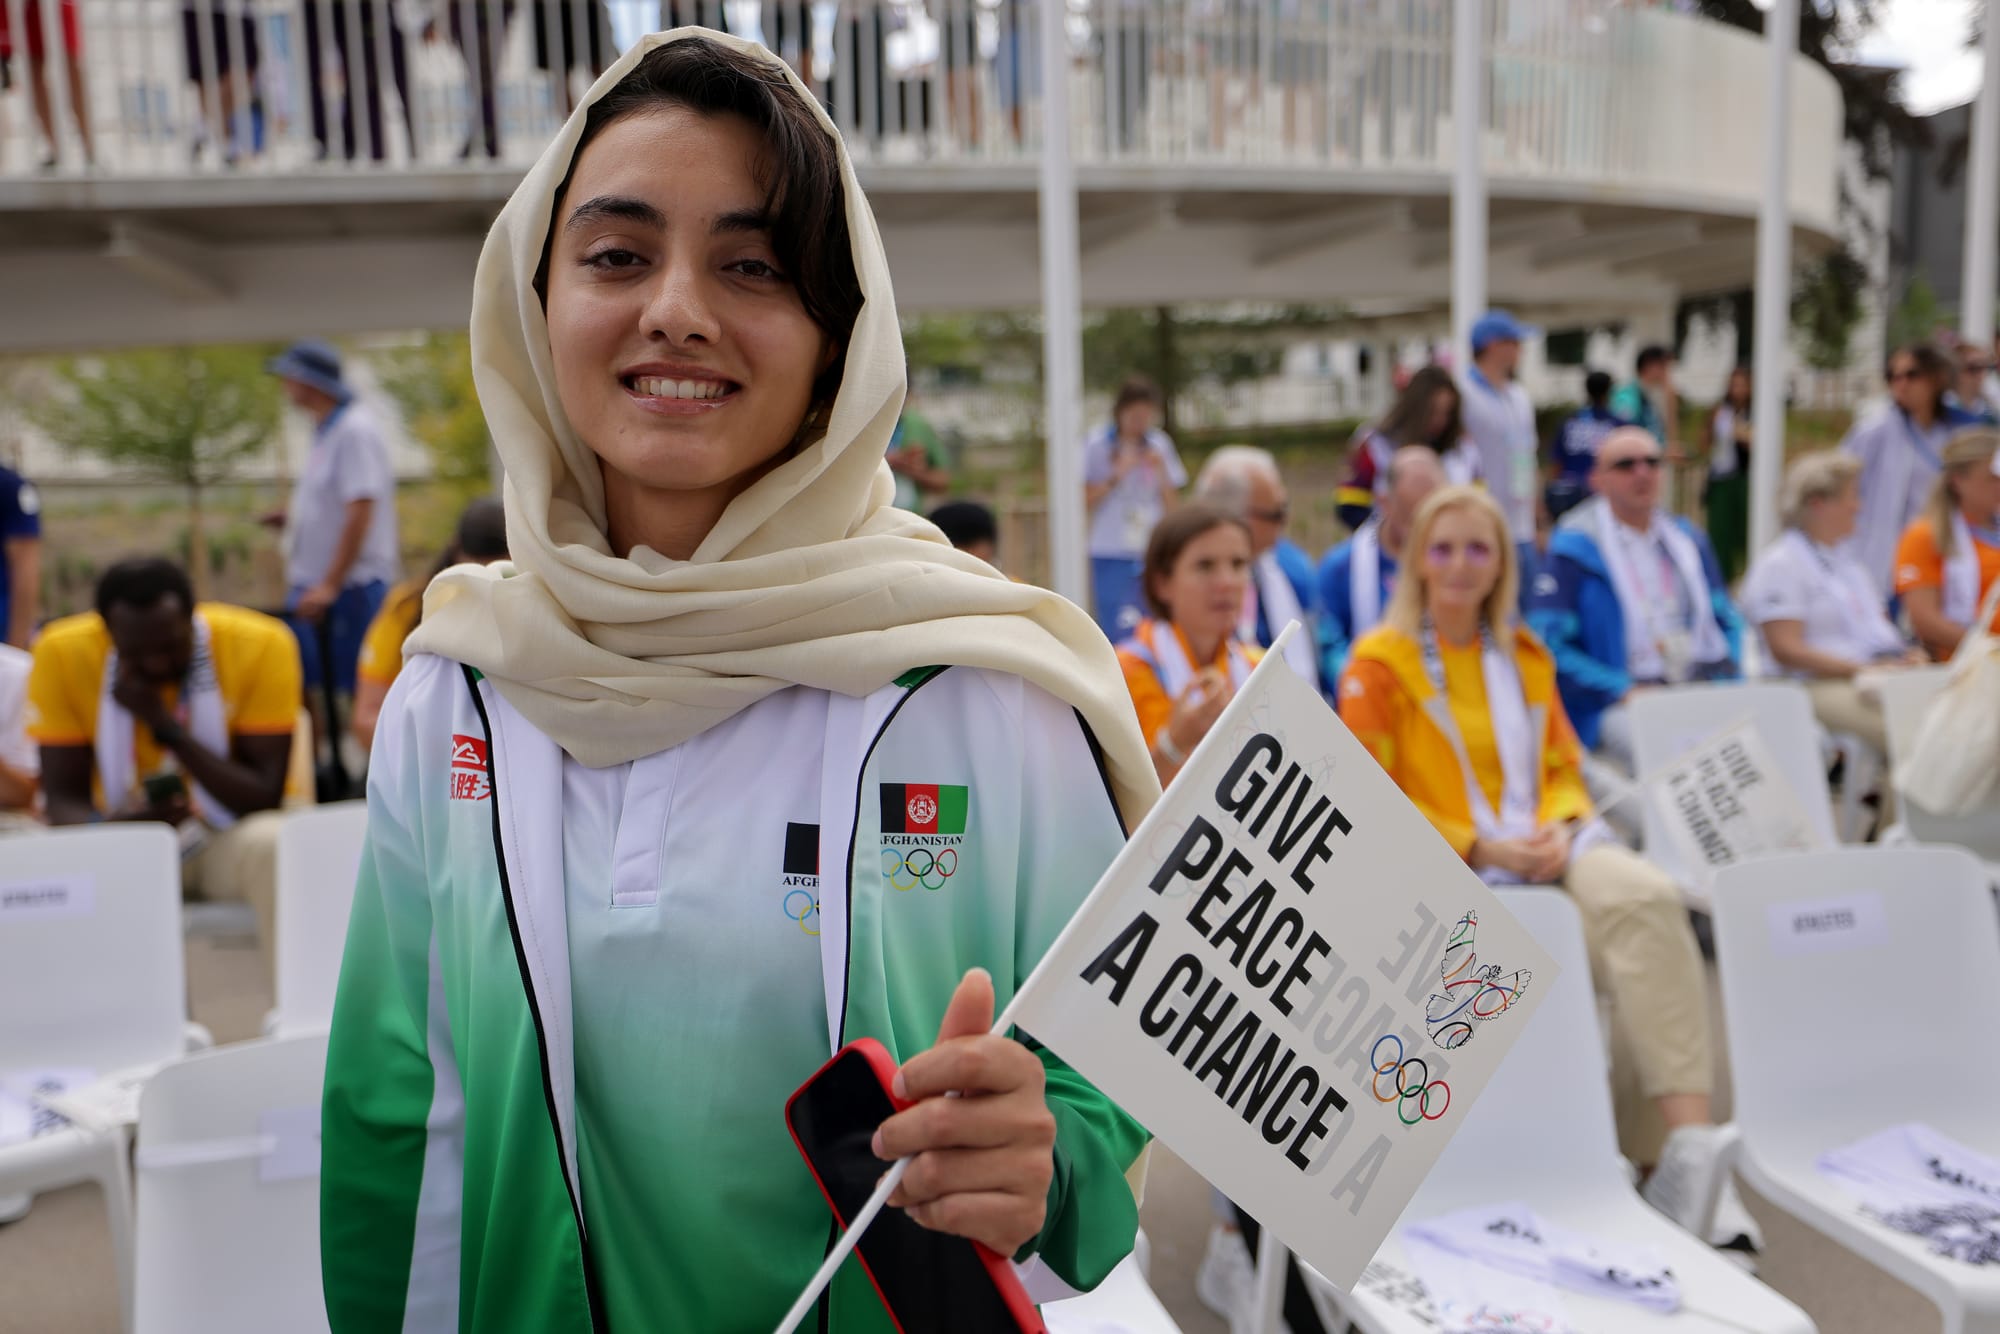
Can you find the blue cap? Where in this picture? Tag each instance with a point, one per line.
(1498, 326)
(312, 362)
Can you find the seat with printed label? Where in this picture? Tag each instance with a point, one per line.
(1856, 993)
(1543, 1134)
(1667, 723)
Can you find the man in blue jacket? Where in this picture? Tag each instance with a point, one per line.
(1357, 577)
(1630, 597)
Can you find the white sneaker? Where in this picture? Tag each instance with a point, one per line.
(1228, 1273)
(14, 1208)
(1689, 1163)
(1734, 1231)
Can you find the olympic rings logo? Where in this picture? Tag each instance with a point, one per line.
(802, 906)
(1409, 1092)
(905, 869)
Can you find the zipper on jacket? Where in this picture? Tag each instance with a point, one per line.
(592, 1299)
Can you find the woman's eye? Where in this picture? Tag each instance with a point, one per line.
(611, 257)
(757, 268)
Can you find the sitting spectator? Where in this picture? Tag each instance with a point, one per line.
(1183, 664)
(1630, 597)
(1357, 577)
(1458, 702)
(1950, 555)
(1576, 444)
(1427, 412)
(20, 762)
(970, 527)
(1244, 480)
(1131, 476)
(154, 707)
(1820, 614)
(481, 540)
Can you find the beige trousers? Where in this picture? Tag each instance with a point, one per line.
(1644, 957)
(1841, 707)
(241, 863)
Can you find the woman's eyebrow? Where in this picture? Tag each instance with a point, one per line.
(742, 220)
(621, 207)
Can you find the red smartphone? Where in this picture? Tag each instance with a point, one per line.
(930, 1282)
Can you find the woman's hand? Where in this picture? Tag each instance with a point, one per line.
(981, 1161)
(1550, 848)
(1197, 709)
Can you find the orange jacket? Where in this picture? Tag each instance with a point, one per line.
(1149, 697)
(1383, 698)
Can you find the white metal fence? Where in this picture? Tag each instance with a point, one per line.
(1592, 91)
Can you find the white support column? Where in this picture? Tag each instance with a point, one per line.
(1774, 276)
(1982, 204)
(1468, 177)
(1062, 318)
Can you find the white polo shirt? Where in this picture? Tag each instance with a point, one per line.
(349, 461)
(16, 749)
(1796, 579)
(1500, 420)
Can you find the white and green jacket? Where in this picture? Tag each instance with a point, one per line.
(451, 1190)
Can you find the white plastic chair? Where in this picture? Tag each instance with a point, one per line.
(1905, 695)
(1121, 1304)
(1543, 1134)
(1829, 1047)
(221, 1248)
(1668, 723)
(94, 983)
(319, 855)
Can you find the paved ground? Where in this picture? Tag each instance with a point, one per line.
(56, 1274)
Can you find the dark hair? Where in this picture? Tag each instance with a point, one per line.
(1930, 362)
(1652, 355)
(482, 531)
(805, 200)
(1171, 537)
(1597, 387)
(140, 582)
(1408, 422)
(1136, 389)
(964, 522)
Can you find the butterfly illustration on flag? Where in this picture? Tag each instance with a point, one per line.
(1470, 993)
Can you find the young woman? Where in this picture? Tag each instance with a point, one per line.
(1727, 496)
(1131, 476)
(736, 764)
(1425, 413)
(1819, 612)
(1950, 555)
(1183, 664)
(1900, 449)
(1458, 702)
(481, 539)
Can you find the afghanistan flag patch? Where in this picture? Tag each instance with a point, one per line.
(923, 808)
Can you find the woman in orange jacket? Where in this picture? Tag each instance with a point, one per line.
(1458, 702)
(1183, 664)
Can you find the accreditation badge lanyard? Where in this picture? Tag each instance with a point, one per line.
(1661, 588)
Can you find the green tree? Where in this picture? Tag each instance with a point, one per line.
(185, 416)
(1917, 315)
(431, 380)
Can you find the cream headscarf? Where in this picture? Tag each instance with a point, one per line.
(809, 578)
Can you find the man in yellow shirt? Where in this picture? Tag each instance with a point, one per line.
(154, 707)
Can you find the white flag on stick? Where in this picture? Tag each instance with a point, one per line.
(1726, 800)
(1290, 978)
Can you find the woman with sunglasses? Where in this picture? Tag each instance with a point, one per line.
(723, 685)
(1901, 448)
(1458, 702)
(1632, 597)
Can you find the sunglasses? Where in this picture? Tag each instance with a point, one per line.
(1634, 463)
(1281, 514)
(1476, 553)
(1909, 373)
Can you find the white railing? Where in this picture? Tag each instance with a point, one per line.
(1596, 92)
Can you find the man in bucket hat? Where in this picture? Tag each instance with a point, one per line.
(341, 551)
